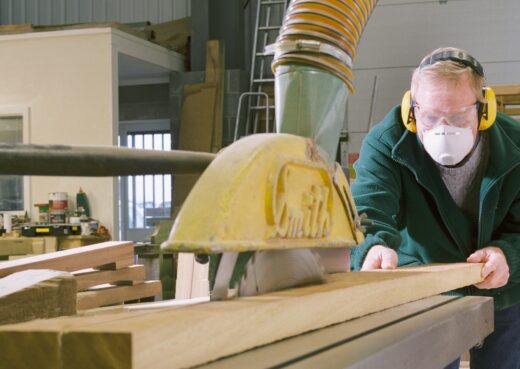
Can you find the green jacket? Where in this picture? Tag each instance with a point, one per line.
(400, 189)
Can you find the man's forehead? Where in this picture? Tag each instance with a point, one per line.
(445, 92)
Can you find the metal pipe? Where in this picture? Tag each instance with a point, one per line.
(97, 161)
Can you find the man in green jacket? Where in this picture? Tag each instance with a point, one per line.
(440, 179)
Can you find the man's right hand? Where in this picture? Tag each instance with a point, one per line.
(380, 257)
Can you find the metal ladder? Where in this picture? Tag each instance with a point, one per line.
(269, 17)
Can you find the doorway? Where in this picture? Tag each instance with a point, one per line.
(144, 200)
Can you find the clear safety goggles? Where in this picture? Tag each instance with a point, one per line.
(460, 118)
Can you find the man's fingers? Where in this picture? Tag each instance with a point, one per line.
(495, 270)
(389, 259)
(494, 280)
(371, 262)
(477, 257)
(489, 267)
(487, 283)
(380, 257)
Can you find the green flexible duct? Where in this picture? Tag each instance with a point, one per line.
(313, 67)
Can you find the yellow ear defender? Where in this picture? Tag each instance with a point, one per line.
(487, 110)
(407, 114)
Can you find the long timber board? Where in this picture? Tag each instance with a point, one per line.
(189, 336)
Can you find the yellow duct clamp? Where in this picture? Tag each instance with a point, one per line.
(267, 191)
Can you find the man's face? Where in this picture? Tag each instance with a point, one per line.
(445, 102)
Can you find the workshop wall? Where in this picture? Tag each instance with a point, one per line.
(45, 12)
(68, 96)
(401, 32)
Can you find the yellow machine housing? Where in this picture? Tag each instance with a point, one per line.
(267, 191)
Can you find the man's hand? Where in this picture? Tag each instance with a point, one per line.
(495, 270)
(380, 257)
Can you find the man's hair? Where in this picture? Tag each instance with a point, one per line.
(446, 70)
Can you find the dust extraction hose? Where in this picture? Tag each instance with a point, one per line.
(312, 65)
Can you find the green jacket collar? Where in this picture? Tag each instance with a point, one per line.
(505, 156)
(505, 153)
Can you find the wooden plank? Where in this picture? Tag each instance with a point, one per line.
(512, 111)
(155, 305)
(110, 294)
(271, 317)
(15, 246)
(91, 277)
(42, 338)
(33, 294)
(69, 242)
(201, 333)
(183, 282)
(197, 117)
(172, 34)
(25, 28)
(509, 99)
(118, 253)
(286, 350)
(16, 28)
(118, 264)
(513, 89)
(196, 131)
(215, 73)
(197, 334)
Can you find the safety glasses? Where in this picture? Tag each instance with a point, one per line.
(460, 118)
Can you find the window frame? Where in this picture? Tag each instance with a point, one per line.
(23, 112)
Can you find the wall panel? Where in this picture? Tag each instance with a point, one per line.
(45, 12)
(85, 11)
(400, 32)
(57, 12)
(71, 11)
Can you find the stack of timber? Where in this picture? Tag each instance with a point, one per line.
(105, 273)
(34, 294)
(188, 336)
(508, 99)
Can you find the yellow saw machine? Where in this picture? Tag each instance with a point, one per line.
(284, 191)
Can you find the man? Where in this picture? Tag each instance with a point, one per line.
(440, 179)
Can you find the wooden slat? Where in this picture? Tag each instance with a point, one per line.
(91, 277)
(215, 73)
(110, 294)
(184, 337)
(512, 111)
(509, 100)
(33, 294)
(15, 246)
(154, 305)
(513, 89)
(122, 262)
(42, 338)
(120, 254)
(270, 318)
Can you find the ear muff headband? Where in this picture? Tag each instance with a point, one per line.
(487, 110)
(456, 56)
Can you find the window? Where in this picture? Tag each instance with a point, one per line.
(13, 189)
(144, 200)
(149, 196)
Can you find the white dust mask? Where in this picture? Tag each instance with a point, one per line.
(448, 145)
